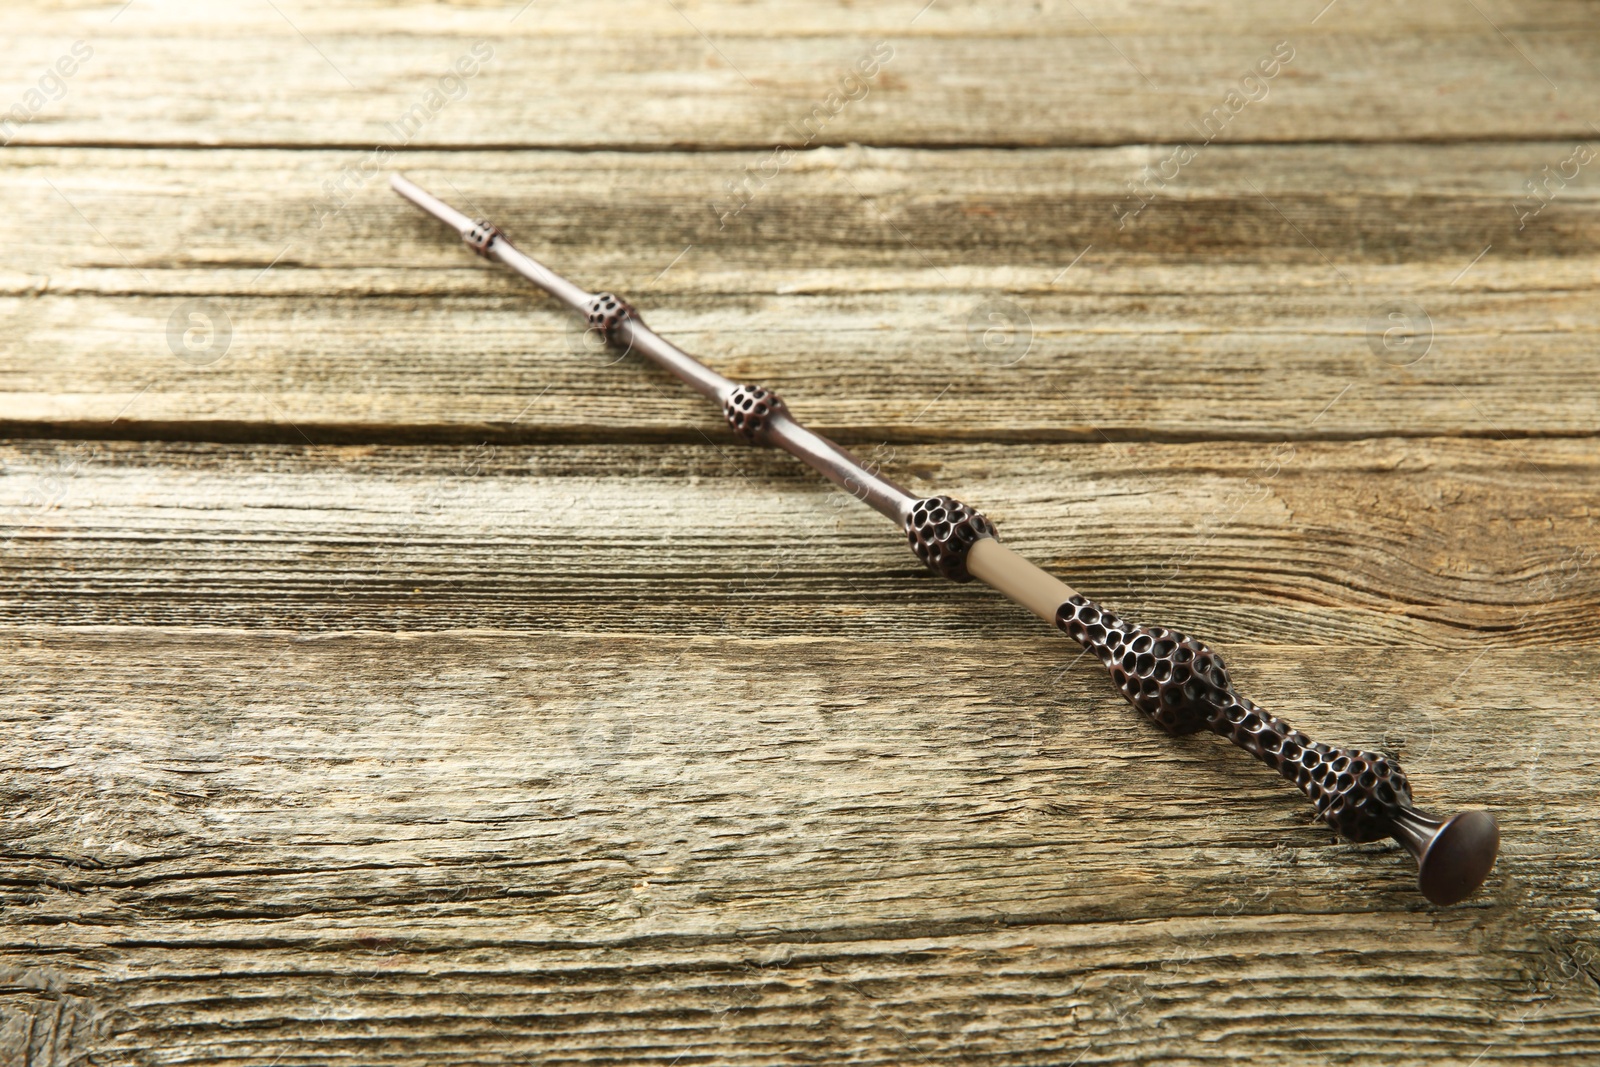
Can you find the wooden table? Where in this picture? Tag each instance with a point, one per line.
(392, 679)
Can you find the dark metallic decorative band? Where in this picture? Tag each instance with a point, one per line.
(942, 531)
(605, 310)
(481, 235)
(1183, 686)
(749, 410)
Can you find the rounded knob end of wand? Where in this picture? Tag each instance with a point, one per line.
(1453, 855)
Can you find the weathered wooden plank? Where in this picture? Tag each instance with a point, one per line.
(227, 847)
(632, 73)
(1281, 990)
(856, 284)
(641, 774)
(1458, 546)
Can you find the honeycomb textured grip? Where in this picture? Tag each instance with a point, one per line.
(1183, 687)
(481, 235)
(605, 311)
(750, 410)
(942, 530)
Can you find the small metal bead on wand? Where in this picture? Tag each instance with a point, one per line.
(1175, 680)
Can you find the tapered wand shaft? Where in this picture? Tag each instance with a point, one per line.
(1178, 682)
(763, 416)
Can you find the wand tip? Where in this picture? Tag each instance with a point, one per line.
(429, 203)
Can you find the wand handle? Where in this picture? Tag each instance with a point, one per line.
(1175, 680)
(1183, 687)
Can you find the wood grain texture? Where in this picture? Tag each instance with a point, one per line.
(411, 684)
(480, 847)
(628, 73)
(1250, 304)
(574, 810)
(1450, 545)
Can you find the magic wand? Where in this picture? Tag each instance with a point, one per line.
(1178, 682)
